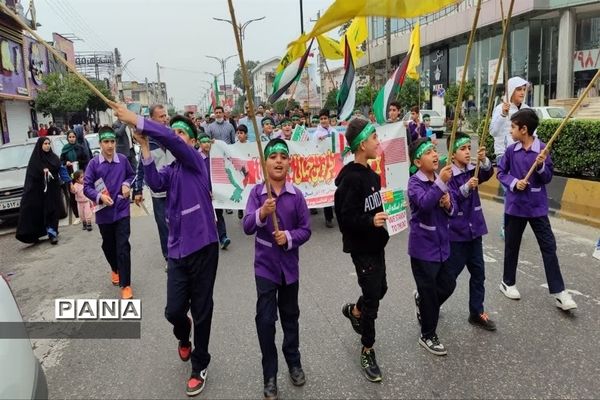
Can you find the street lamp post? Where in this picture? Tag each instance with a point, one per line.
(241, 27)
(223, 62)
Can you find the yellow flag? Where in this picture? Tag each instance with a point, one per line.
(358, 30)
(294, 52)
(415, 56)
(330, 48)
(344, 10)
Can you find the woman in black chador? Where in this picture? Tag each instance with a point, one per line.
(41, 202)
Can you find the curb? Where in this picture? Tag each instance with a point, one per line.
(573, 199)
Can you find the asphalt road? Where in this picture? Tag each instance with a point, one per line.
(537, 352)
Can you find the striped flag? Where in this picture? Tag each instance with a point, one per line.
(389, 91)
(346, 96)
(215, 94)
(287, 75)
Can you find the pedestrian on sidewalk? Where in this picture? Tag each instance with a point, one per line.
(276, 261)
(162, 157)
(193, 244)
(325, 131)
(431, 207)
(467, 227)
(41, 199)
(527, 203)
(361, 219)
(84, 206)
(107, 183)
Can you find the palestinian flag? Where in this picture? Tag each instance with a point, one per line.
(388, 93)
(286, 76)
(346, 96)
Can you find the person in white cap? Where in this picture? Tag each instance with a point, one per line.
(500, 125)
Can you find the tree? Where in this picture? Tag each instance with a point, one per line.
(67, 93)
(365, 96)
(409, 94)
(452, 93)
(237, 75)
(331, 101)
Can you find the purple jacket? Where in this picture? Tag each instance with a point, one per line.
(514, 165)
(428, 238)
(206, 160)
(415, 132)
(189, 211)
(271, 261)
(468, 222)
(115, 174)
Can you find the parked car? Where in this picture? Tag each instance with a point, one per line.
(21, 371)
(13, 166)
(437, 121)
(92, 139)
(550, 112)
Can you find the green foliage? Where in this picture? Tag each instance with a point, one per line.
(281, 105)
(237, 75)
(365, 96)
(576, 151)
(331, 101)
(409, 94)
(66, 93)
(452, 93)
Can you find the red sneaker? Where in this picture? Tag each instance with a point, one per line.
(196, 383)
(184, 350)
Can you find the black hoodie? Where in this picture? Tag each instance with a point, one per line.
(357, 200)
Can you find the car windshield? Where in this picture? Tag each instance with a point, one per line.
(15, 156)
(557, 112)
(93, 141)
(430, 112)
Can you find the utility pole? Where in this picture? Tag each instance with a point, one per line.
(321, 69)
(118, 75)
(223, 62)
(159, 88)
(388, 46)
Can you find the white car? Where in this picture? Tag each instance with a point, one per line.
(437, 121)
(543, 113)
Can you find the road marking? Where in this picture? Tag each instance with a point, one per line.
(488, 259)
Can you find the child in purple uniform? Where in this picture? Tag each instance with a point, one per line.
(468, 225)
(527, 202)
(193, 244)
(276, 263)
(428, 244)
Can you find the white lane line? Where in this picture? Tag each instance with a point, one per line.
(488, 259)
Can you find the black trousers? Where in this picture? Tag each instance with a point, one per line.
(513, 230)
(328, 211)
(73, 205)
(190, 283)
(116, 248)
(435, 283)
(271, 297)
(370, 270)
(470, 254)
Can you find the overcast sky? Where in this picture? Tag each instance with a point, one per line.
(177, 34)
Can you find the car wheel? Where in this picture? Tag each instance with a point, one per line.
(64, 203)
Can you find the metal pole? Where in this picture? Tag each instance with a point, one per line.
(388, 46)
(301, 18)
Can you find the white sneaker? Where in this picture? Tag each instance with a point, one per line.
(564, 301)
(510, 291)
(76, 221)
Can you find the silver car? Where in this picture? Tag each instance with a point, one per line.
(21, 372)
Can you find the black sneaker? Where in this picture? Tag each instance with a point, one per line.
(369, 365)
(83, 226)
(433, 345)
(89, 227)
(270, 390)
(196, 383)
(297, 376)
(347, 312)
(417, 306)
(53, 240)
(329, 223)
(483, 321)
(240, 214)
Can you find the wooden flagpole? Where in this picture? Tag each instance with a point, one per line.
(250, 93)
(461, 89)
(56, 54)
(490, 107)
(505, 53)
(565, 121)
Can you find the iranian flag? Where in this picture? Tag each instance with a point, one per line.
(346, 96)
(388, 93)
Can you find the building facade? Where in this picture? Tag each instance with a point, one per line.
(263, 76)
(554, 44)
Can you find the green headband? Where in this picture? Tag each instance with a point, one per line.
(205, 139)
(460, 143)
(421, 150)
(184, 127)
(361, 137)
(107, 135)
(276, 148)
